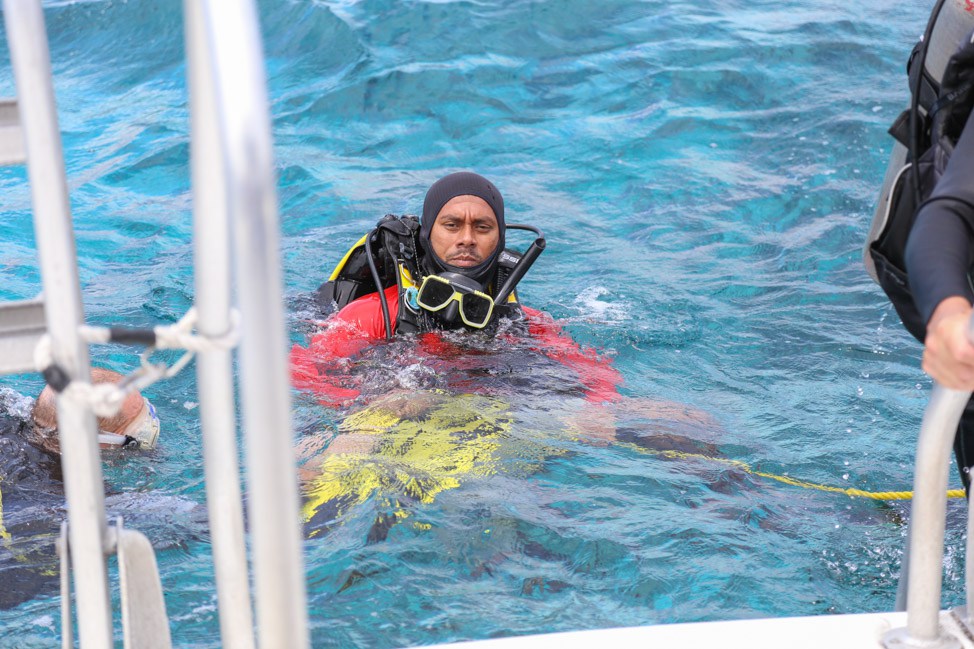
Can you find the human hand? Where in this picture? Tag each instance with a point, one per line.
(948, 354)
(408, 405)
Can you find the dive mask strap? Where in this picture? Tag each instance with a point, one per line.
(114, 439)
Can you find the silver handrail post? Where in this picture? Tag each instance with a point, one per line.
(927, 522)
(968, 612)
(928, 517)
(241, 96)
(80, 459)
(212, 264)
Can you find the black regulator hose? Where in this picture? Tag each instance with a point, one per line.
(524, 265)
(383, 302)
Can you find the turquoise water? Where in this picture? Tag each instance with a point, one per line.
(705, 174)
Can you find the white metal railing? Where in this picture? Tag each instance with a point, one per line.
(22, 325)
(87, 530)
(234, 185)
(233, 67)
(212, 260)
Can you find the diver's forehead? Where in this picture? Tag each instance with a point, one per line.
(467, 205)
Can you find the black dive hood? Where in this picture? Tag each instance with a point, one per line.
(463, 183)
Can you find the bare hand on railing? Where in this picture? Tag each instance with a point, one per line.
(948, 354)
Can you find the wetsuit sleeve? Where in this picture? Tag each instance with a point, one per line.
(939, 250)
(324, 366)
(600, 378)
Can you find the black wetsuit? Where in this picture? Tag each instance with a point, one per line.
(940, 256)
(31, 508)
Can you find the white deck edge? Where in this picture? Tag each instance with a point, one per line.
(857, 631)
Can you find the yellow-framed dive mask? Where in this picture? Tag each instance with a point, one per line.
(437, 292)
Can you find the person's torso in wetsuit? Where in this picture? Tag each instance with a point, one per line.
(939, 254)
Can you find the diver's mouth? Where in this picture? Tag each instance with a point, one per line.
(463, 260)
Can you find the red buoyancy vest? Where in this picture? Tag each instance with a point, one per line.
(320, 367)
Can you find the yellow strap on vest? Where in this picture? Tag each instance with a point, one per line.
(338, 269)
(405, 277)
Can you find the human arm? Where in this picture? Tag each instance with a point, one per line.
(600, 379)
(646, 422)
(606, 415)
(939, 256)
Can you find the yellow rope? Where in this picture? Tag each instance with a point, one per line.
(804, 484)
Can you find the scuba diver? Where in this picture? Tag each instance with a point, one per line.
(448, 271)
(939, 258)
(425, 401)
(31, 495)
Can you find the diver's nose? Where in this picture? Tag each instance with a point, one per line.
(466, 237)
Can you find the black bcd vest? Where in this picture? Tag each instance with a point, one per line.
(394, 247)
(930, 137)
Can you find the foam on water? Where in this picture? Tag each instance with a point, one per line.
(14, 403)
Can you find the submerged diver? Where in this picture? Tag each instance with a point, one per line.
(136, 423)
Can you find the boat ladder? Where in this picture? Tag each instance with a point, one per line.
(236, 236)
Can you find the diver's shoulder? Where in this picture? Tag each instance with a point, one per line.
(365, 313)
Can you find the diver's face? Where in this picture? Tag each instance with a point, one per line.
(465, 232)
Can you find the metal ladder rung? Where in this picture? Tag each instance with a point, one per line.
(144, 621)
(21, 325)
(11, 135)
